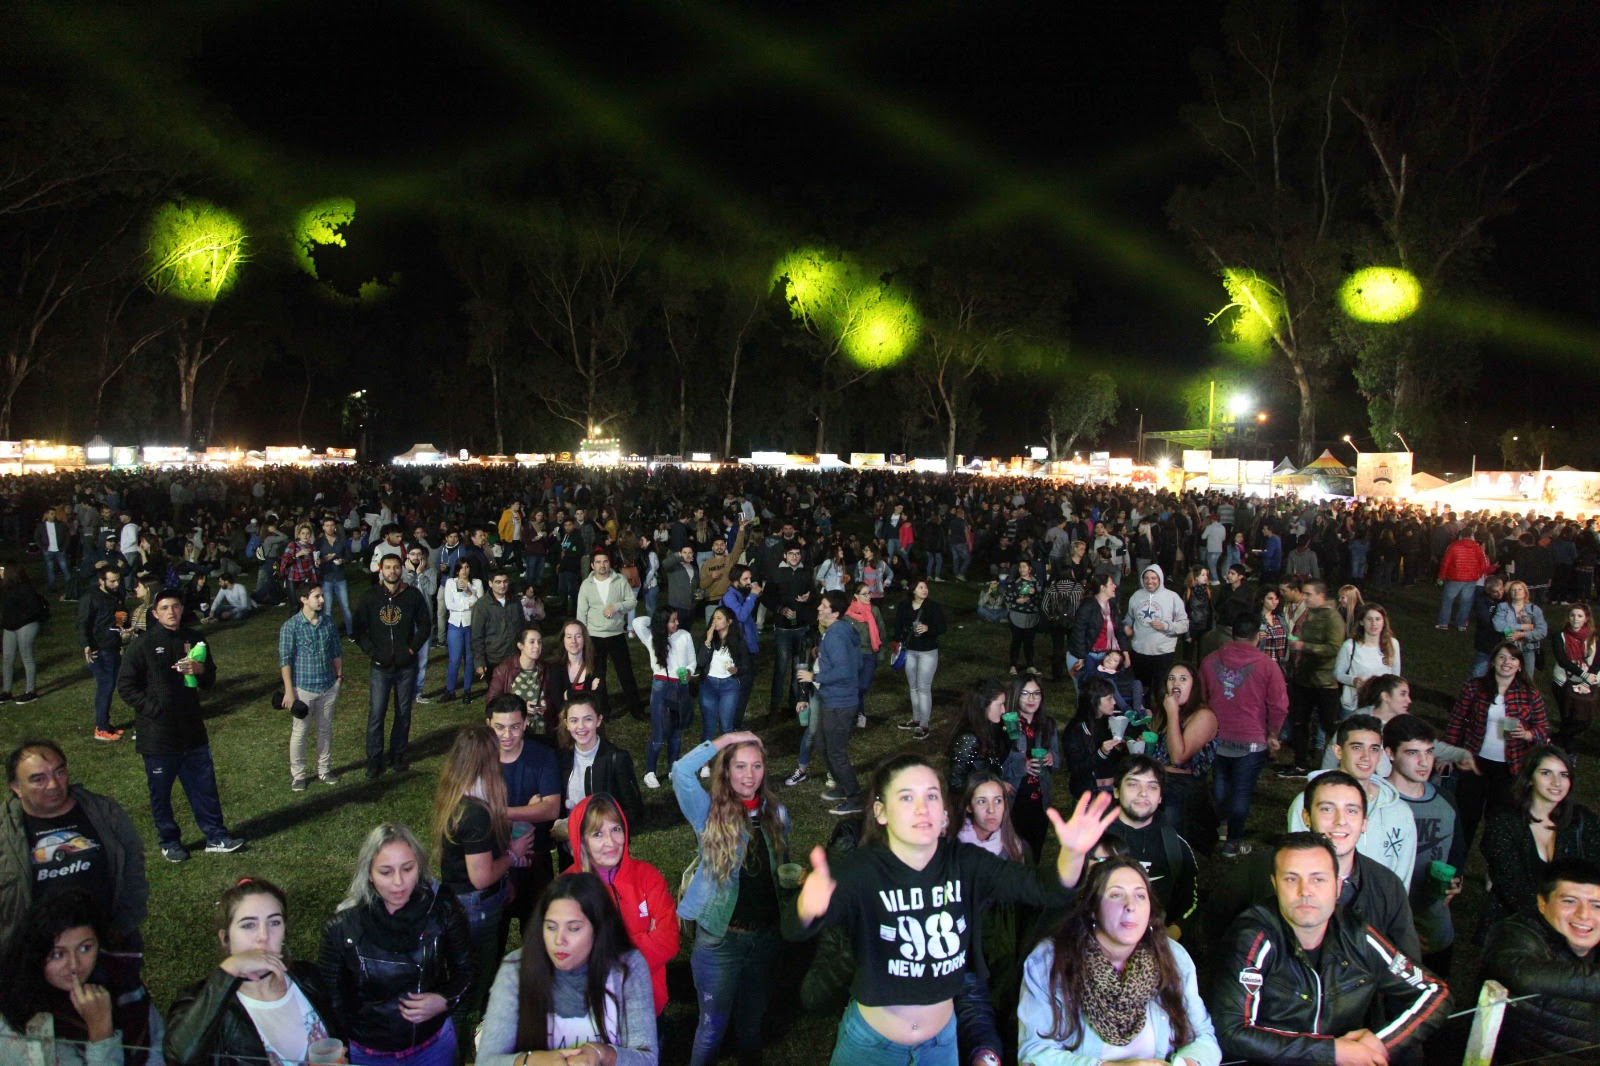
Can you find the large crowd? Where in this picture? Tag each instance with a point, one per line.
(1021, 889)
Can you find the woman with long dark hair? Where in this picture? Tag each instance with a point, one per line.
(258, 1002)
(918, 624)
(1023, 599)
(906, 878)
(1091, 749)
(672, 665)
(579, 998)
(1498, 718)
(1577, 674)
(1186, 744)
(1544, 823)
(978, 740)
(723, 658)
(1026, 770)
(570, 670)
(1109, 985)
(69, 1003)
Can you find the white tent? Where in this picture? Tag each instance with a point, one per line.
(420, 453)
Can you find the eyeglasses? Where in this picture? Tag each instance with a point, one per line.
(1032, 695)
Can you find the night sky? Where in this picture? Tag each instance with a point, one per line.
(803, 119)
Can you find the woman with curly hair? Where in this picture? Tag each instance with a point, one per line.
(742, 833)
(1108, 984)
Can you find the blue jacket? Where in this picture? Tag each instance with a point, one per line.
(743, 605)
(706, 900)
(838, 663)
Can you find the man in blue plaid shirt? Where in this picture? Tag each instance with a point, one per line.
(312, 662)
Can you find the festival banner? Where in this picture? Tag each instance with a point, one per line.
(1383, 474)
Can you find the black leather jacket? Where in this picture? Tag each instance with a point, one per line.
(1530, 958)
(208, 1025)
(365, 980)
(612, 771)
(1086, 626)
(1270, 1005)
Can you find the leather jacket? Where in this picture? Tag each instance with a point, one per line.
(1529, 957)
(1271, 1005)
(208, 1025)
(365, 979)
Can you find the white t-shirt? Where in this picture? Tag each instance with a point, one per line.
(581, 762)
(287, 1026)
(721, 662)
(1494, 742)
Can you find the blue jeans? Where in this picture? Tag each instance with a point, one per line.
(719, 702)
(864, 675)
(747, 685)
(54, 561)
(807, 736)
(458, 639)
(960, 559)
(437, 1050)
(198, 775)
(533, 570)
(669, 713)
(1480, 663)
(935, 564)
(422, 662)
(733, 976)
(104, 667)
(651, 595)
(1459, 593)
(484, 910)
(859, 1044)
(337, 588)
(382, 680)
(787, 643)
(1233, 785)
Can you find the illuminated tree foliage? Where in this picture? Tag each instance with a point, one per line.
(320, 225)
(194, 254)
(858, 322)
(1079, 411)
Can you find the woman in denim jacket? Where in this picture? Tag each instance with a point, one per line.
(732, 892)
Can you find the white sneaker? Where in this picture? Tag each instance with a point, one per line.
(650, 781)
(705, 771)
(829, 784)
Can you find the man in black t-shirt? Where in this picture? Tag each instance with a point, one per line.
(1164, 854)
(533, 798)
(55, 835)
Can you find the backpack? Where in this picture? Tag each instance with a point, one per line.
(1053, 606)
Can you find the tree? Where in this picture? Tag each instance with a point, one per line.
(1267, 223)
(856, 323)
(582, 304)
(1080, 409)
(194, 255)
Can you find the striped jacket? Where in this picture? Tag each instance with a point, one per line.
(1271, 1005)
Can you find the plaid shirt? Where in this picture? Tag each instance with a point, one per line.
(295, 569)
(1274, 641)
(1469, 718)
(309, 649)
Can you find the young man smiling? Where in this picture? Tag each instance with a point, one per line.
(1409, 740)
(1391, 831)
(1165, 855)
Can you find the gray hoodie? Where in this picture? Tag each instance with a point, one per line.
(1163, 605)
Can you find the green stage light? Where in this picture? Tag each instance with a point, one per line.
(195, 250)
(1380, 294)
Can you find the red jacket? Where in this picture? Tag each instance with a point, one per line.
(648, 910)
(1464, 561)
(1470, 717)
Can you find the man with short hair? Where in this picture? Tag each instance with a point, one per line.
(50, 537)
(743, 597)
(1245, 690)
(1464, 565)
(1390, 836)
(1302, 977)
(333, 552)
(1337, 811)
(533, 801)
(420, 574)
(231, 603)
(1410, 743)
(838, 660)
(679, 578)
(605, 600)
(311, 661)
(496, 625)
(797, 603)
(1485, 637)
(56, 836)
(388, 544)
(1213, 536)
(1550, 958)
(716, 572)
(101, 633)
(569, 568)
(171, 727)
(1316, 692)
(1165, 855)
(391, 625)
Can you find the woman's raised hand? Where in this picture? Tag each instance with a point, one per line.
(816, 892)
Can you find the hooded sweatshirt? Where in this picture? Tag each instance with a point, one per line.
(1163, 605)
(1246, 691)
(643, 898)
(1391, 834)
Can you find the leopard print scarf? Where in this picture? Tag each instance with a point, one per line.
(1115, 1003)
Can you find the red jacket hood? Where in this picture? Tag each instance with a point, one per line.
(575, 838)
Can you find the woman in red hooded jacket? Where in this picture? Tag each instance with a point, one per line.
(599, 834)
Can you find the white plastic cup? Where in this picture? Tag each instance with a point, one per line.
(1119, 725)
(327, 1052)
(1509, 725)
(1135, 747)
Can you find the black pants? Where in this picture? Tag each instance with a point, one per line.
(1152, 671)
(1022, 640)
(615, 650)
(1031, 823)
(1480, 794)
(1308, 704)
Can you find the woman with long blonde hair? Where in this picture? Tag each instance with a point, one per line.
(472, 837)
(732, 893)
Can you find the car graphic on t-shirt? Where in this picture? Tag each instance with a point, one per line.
(57, 847)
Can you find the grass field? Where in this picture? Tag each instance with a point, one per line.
(307, 841)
